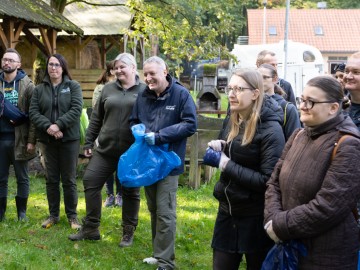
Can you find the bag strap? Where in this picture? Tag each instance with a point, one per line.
(337, 144)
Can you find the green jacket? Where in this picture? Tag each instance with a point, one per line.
(24, 133)
(68, 97)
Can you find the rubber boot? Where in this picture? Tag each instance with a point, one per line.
(21, 204)
(89, 231)
(3, 202)
(128, 236)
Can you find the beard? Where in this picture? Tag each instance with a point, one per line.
(8, 69)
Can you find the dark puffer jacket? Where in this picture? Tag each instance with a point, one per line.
(309, 197)
(242, 184)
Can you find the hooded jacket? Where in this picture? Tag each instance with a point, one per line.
(241, 187)
(24, 133)
(310, 197)
(68, 97)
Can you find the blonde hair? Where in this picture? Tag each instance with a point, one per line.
(254, 79)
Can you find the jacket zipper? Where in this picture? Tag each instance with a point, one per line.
(225, 190)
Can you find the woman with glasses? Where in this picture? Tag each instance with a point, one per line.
(55, 110)
(250, 143)
(313, 188)
(291, 116)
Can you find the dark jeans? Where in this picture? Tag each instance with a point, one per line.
(97, 172)
(60, 162)
(109, 185)
(7, 157)
(231, 261)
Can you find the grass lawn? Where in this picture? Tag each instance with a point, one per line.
(25, 245)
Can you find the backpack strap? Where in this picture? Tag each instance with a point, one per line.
(337, 144)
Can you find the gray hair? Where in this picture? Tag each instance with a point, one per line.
(157, 60)
(126, 58)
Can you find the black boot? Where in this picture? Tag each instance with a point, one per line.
(21, 204)
(88, 231)
(128, 236)
(3, 202)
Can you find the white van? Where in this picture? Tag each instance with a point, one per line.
(303, 61)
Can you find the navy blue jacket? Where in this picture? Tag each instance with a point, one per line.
(286, 86)
(172, 116)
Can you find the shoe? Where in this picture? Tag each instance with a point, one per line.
(50, 221)
(86, 233)
(21, 205)
(74, 223)
(118, 200)
(109, 201)
(150, 260)
(160, 268)
(128, 236)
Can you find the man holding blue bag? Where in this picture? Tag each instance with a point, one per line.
(17, 134)
(168, 112)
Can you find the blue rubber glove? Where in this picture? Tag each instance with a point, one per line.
(150, 138)
(212, 157)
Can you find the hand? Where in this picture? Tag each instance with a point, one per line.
(30, 148)
(58, 135)
(269, 230)
(53, 129)
(223, 161)
(88, 153)
(217, 145)
(150, 138)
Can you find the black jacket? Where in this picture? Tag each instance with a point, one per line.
(242, 184)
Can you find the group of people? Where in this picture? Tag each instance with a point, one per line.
(283, 176)
(279, 184)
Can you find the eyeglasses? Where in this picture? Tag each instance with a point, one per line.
(265, 77)
(54, 65)
(236, 90)
(11, 61)
(309, 104)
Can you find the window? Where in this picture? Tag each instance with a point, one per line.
(319, 31)
(272, 31)
(308, 56)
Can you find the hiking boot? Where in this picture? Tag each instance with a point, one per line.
(110, 199)
(50, 221)
(74, 223)
(21, 204)
(150, 260)
(118, 200)
(86, 233)
(128, 236)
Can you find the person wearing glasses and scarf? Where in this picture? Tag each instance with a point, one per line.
(55, 110)
(250, 143)
(312, 193)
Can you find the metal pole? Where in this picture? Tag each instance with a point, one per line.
(264, 23)
(286, 36)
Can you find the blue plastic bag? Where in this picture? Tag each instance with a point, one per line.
(284, 256)
(143, 164)
(11, 112)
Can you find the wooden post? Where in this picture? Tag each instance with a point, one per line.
(194, 172)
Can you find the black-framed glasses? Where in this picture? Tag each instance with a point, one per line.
(11, 61)
(236, 90)
(309, 104)
(54, 65)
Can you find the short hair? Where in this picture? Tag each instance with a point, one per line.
(330, 86)
(63, 64)
(157, 60)
(11, 50)
(277, 89)
(355, 55)
(126, 58)
(261, 55)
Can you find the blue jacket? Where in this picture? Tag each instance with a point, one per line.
(172, 116)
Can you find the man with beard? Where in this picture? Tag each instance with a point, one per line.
(17, 142)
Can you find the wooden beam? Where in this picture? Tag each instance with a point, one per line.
(36, 41)
(4, 40)
(86, 42)
(8, 27)
(103, 52)
(52, 34)
(19, 29)
(46, 41)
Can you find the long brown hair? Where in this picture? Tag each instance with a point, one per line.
(106, 74)
(254, 79)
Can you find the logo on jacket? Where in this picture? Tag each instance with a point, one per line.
(170, 108)
(65, 90)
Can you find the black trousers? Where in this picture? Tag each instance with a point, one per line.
(97, 172)
(60, 162)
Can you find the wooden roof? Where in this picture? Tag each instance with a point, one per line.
(338, 29)
(37, 13)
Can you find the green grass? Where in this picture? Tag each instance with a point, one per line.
(25, 245)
